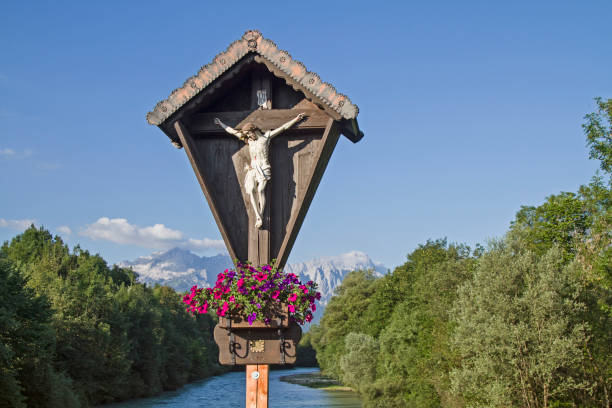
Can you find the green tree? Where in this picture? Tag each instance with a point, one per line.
(415, 353)
(521, 332)
(27, 374)
(598, 131)
(306, 354)
(358, 364)
(343, 315)
(101, 337)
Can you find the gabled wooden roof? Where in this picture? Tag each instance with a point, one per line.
(253, 42)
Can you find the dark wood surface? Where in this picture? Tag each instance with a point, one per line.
(297, 86)
(203, 164)
(271, 349)
(265, 119)
(308, 182)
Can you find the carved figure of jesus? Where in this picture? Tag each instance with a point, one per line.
(259, 169)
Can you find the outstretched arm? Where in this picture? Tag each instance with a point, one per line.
(287, 125)
(228, 129)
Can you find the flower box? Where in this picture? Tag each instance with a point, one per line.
(255, 297)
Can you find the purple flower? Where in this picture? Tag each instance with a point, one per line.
(251, 318)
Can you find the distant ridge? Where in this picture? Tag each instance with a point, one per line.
(181, 269)
(328, 272)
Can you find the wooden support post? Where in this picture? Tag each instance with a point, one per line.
(257, 386)
(259, 252)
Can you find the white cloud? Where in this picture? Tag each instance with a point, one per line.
(64, 229)
(8, 153)
(158, 236)
(161, 232)
(19, 225)
(206, 243)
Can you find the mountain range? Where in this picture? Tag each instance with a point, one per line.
(181, 269)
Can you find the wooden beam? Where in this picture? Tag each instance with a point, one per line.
(350, 129)
(328, 143)
(251, 386)
(262, 386)
(194, 158)
(265, 119)
(257, 388)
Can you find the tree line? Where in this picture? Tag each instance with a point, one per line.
(75, 332)
(524, 322)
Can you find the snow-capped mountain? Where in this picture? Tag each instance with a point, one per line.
(178, 268)
(181, 269)
(328, 272)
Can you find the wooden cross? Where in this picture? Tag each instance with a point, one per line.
(254, 81)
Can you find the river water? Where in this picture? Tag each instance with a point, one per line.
(228, 391)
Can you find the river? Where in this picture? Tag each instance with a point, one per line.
(228, 391)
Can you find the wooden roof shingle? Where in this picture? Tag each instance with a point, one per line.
(253, 42)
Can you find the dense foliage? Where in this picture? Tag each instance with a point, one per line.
(526, 322)
(75, 332)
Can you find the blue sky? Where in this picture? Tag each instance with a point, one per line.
(469, 109)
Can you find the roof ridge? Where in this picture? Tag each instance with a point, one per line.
(253, 41)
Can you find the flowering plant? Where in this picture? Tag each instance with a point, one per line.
(254, 293)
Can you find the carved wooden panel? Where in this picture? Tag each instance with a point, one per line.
(257, 346)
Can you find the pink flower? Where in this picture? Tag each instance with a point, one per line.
(292, 297)
(276, 294)
(240, 282)
(221, 312)
(232, 298)
(313, 307)
(218, 294)
(309, 317)
(291, 308)
(203, 309)
(261, 276)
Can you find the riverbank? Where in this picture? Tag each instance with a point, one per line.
(315, 380)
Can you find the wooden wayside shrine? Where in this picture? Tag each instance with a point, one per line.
(253, 82)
